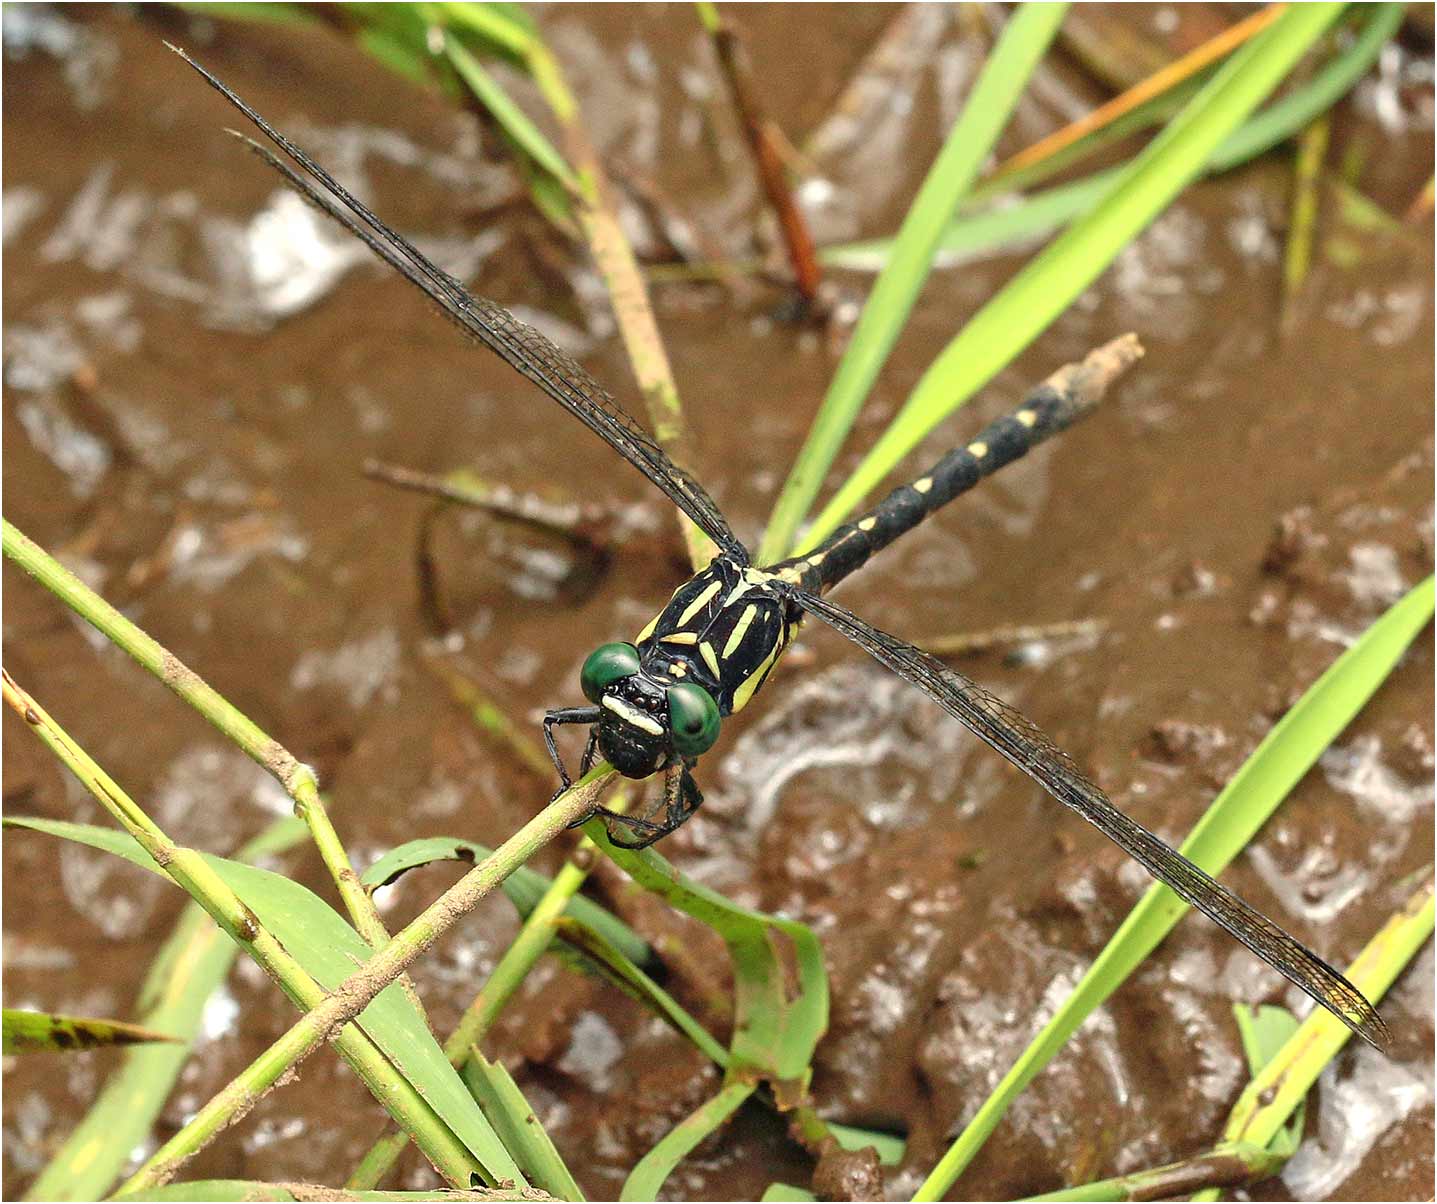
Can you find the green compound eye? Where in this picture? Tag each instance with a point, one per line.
(693, 718)
(607, 664)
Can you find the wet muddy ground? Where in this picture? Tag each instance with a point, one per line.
(193, 381)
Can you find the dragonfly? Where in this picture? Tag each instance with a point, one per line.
(656, 704)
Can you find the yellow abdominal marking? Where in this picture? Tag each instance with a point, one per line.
(709, 658)
(923, 485)
(739, 631)
(868, 523)
(978, 450)
(679, 637)
(698, 603)
(1026, 417)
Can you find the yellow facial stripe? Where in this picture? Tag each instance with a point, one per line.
(709, 658)
(740, 630)
(755, 679)
(698, 603)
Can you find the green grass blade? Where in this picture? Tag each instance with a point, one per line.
(633, 981)
(504, 1105)
(1023, 43)
(1038, 215)
(1282, 1085)
(207, 1191)
(189, 968)
(1264, 1031)
(653, 1168)
(775, 1031)
(329, 949)
(1024, 308)
(23, 1031)
(515, 123)
(1265, 778)
(786, 1191)
(506, 27)
(524, 888)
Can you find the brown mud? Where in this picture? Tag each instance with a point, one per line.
(1245, 503)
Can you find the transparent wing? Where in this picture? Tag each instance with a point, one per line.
(518, 344)
(1004, 729)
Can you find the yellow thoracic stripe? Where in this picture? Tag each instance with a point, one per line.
(698, 603)
(707, 650)
(740, 630)
(752, 681)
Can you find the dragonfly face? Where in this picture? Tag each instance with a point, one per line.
(646, 718)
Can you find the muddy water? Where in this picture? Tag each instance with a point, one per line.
(193, 379)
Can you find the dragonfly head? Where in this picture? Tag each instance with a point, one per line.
(643, 723)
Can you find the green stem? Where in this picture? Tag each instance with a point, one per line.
(533, 939)
(352, 996)
(195, 875)
(297, 778)
(1232, 1164)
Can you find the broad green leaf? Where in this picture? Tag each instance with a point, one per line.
(32, 1032)
(1264, 780)
(524, 888)
(330, 950)
(505, 1107)
(189, 968)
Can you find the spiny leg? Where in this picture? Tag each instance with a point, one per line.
(562, 715)
(680, 799)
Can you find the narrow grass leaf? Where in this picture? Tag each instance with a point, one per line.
(515, 123)
(653, 1168)
(202, 1191)
(191, 965)
(786, 1191)
(1263, 781)
(1281, 1086)
(501, 1101)
(633, 981)
(524, 888)
(1024, 308)
(1021, 46)
(259, 11)
(329, 950)
(640, 986)
(33, 1032)
(1038, 215)
(774, 1033)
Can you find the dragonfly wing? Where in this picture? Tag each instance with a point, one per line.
(1002, 728)
(526, 350)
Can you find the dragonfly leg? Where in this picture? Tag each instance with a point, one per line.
(586, 762)
(680, 799)
(562, 715)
